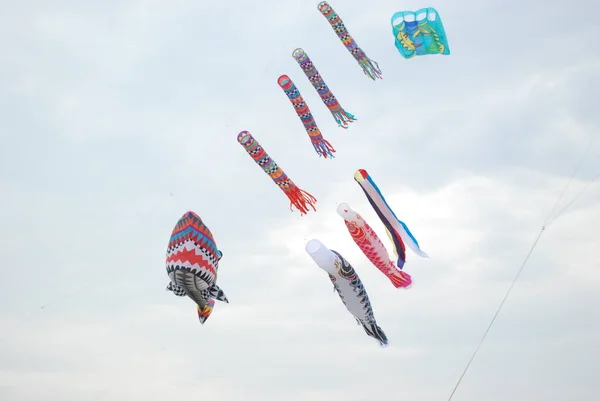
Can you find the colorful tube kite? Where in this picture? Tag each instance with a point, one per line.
(420, 32)
(193, 263)
(298, 197)
(349, 287)
(397, 231)
(372, 247)
(341, 116)
(370, 67)
(322, 147)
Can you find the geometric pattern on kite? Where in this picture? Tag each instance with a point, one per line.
(321, 146)
(370, 67)
(192, 263)
(341, 116)
(298, 198)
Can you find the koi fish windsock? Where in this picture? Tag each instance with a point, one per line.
(397, 231)
(348, 286)
(372, 247)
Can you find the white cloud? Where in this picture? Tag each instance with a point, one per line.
(118, 118)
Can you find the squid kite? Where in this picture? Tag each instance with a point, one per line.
(341, 116)
(322, 147)
(370, 67)
(193, 263)
(372, 247)
(420, 32)
(397, 231)
(348, 286)
(298, 197)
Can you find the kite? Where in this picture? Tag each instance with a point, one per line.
(420, 32)
(370, 67)
(341, 116)
(372, 247)
(322, 147)
(298, 197)
(349, 287)
(192, 264)
(397, 231)
(204, 313)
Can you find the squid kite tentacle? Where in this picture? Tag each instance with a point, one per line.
(370, 67)
(341, 116)
(322, 146)
(298, 198)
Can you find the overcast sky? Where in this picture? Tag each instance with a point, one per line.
(118, 116)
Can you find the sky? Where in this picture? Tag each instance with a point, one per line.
(116, 117)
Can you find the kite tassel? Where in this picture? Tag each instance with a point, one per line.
(324, 148)
(371, 69)
(301, 200)
(342, 117)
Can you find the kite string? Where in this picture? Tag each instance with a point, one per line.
(574, 199)
(64, 296)
(100, 281)
(544, 226)
(498, 311)
(547, 221)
